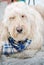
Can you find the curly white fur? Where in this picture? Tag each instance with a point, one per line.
(20, 15)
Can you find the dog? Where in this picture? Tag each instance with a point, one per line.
(23, 23)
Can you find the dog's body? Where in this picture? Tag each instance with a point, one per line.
(24, 22)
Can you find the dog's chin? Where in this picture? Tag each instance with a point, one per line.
(19, 38)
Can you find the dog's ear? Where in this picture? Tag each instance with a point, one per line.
(4, 34)
(40, 9)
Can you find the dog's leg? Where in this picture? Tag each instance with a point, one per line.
(25, 54)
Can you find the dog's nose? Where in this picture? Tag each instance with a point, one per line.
(19, 30)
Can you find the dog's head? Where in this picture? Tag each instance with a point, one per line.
(19, 19)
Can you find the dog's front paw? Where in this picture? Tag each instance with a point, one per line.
(25, 54)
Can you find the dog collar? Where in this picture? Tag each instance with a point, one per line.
(20, 45)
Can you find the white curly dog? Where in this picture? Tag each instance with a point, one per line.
(23, 22)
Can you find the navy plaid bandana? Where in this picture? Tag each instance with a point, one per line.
(13, 46)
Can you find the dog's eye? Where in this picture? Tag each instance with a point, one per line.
(11, 18)
(23, 16)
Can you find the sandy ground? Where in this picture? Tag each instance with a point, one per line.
(38, 59)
